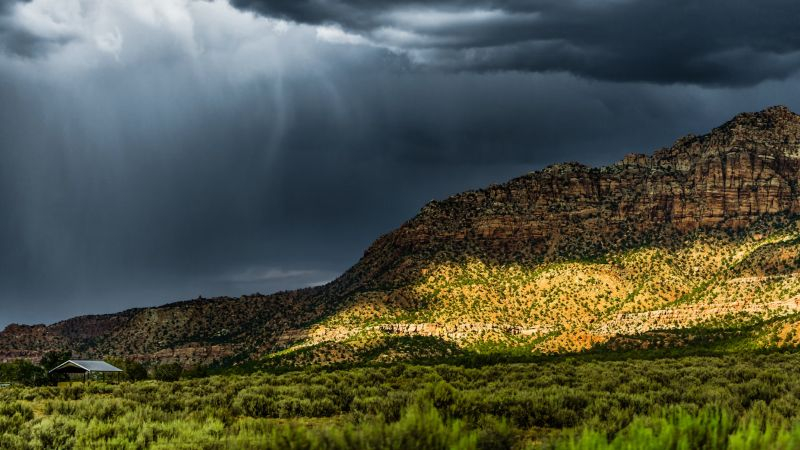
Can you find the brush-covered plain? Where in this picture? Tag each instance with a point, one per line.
(746, 401)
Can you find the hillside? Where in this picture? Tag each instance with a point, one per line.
(698, 242)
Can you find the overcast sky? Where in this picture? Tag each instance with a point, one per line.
(158, 150)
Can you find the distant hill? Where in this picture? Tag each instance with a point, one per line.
(697, 243)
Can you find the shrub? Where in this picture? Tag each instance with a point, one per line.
(168, 372)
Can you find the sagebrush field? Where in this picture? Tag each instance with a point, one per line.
(746, 401)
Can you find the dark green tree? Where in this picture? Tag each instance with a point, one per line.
(51, 360)
(131, 370)
(198, 371)
(22, 371)
(134, 370)
(168, 372)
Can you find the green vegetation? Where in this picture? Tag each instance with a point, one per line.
(743, 401)
(23, 372)
(168, 372)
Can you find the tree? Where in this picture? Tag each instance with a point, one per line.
(131, 370)
(51, 360)
(22, 371)
(168, 372)
(198, 371)
(134, 370)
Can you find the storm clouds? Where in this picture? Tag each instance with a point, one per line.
(710, 42)
(158, 150)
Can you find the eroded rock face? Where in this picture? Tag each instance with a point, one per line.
(685, 316)
(729, 178)
(451, 332)
(741, 171)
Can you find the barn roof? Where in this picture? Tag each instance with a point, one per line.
(87, 366)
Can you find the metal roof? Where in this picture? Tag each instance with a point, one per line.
(88, 366)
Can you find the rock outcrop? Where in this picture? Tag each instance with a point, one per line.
(741, 171)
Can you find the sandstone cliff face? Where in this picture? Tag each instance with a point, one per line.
(730, 177)
(727, 180)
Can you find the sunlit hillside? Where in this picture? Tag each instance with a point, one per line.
(746, 280)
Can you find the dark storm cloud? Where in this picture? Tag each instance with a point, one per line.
(715, 42)
(21, 43)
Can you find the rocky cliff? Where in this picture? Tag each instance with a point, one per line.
(571, 255)
(731, 177)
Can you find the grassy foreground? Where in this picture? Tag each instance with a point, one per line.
(745, 401)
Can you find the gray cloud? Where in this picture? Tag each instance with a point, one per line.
(16, 40)
(6, 5)
(715, 43)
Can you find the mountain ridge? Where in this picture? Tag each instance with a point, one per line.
(740, 179)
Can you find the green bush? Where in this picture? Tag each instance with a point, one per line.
(168, 372)
(54, 433)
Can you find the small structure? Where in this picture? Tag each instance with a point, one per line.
(85, 367)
